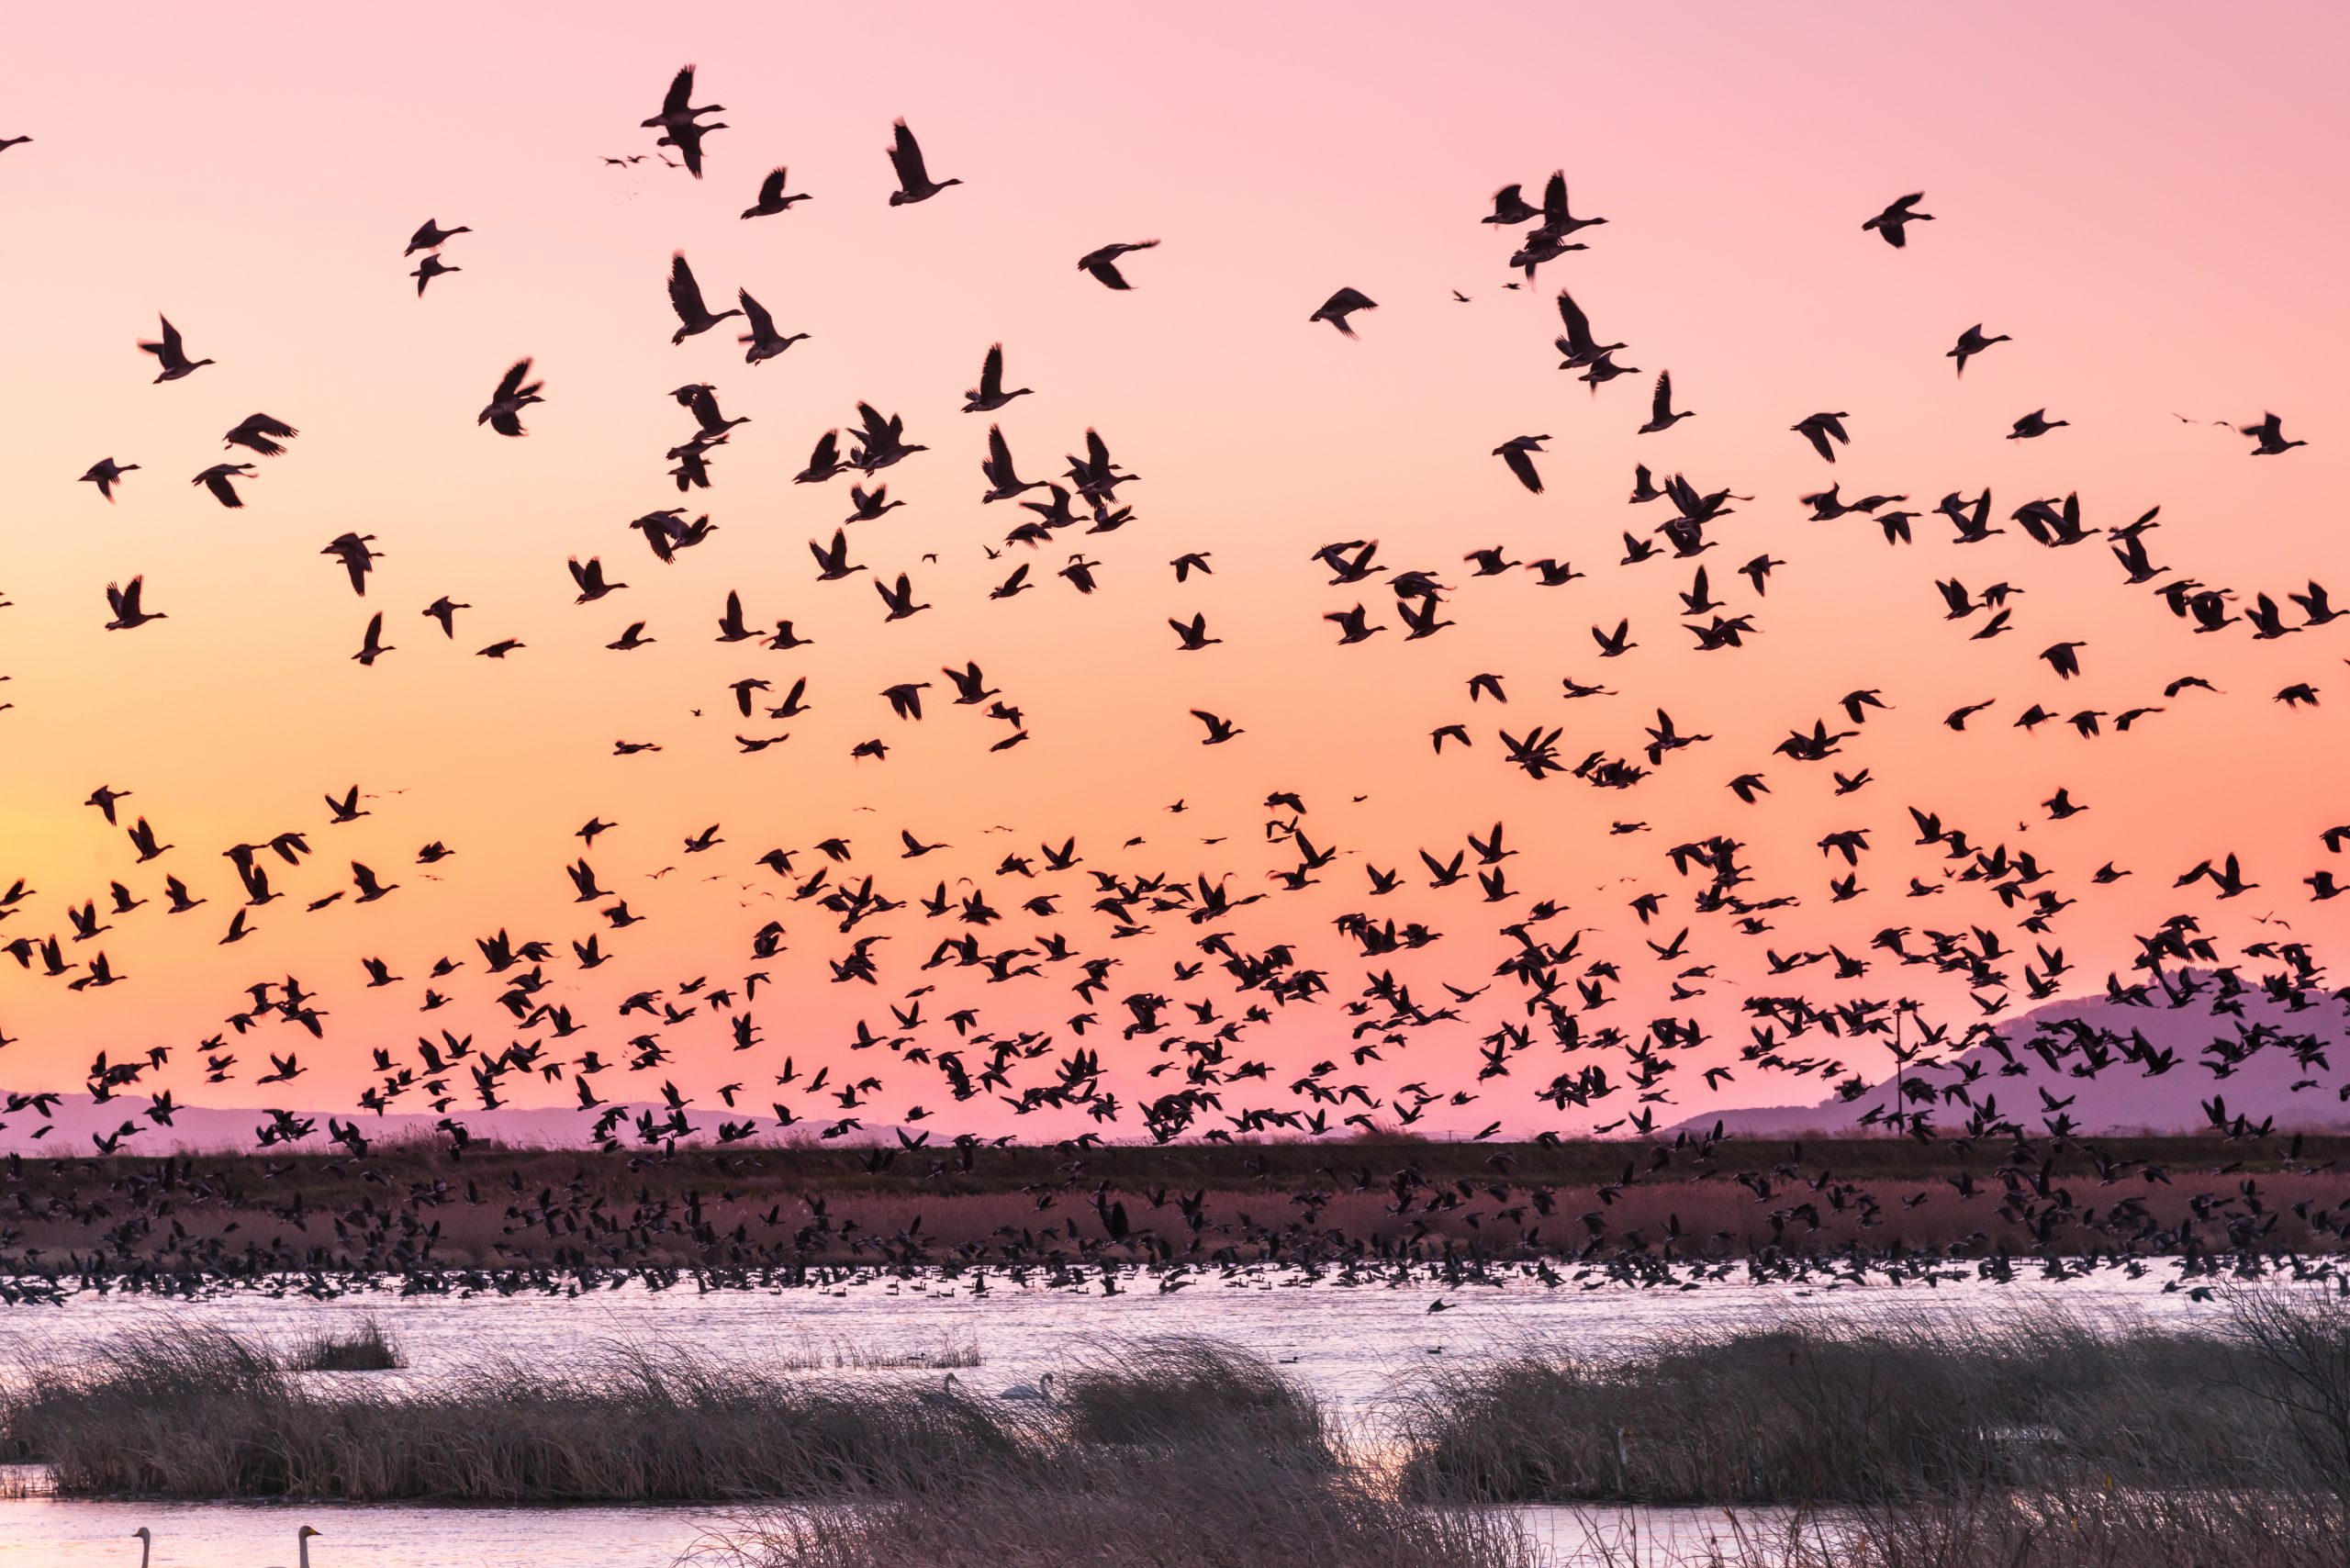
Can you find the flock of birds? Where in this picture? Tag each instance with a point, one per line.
(1181, 1063)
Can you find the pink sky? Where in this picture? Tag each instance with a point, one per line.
(2147, 198)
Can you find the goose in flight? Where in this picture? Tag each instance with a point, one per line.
(990, 395)
(372, 646)
(833, 564)
(899, 598)
(2268, 436)
(258, 433)
(1661, 414)
(679, 120)
(217, 480)
(431, 237)
(869, 505)
(124, 602)
(1972, 343)
(1004, 482)
(105, 474)
(764, 341)
(1820, 429)
(882, 442)
(1889, 223)
(915, 182)
(1103, 264)
(1581, 349)
(1219, 730)
(444, 610)
(515, 392)
(350, 549)
(2035, 423)
(824, 462)
(685, 298)
(171, 354)
(1510, 206)
(1341, 305)
(1518, 452)
(591, 580)
(772, 197)
(1557, 222)
(432, 267)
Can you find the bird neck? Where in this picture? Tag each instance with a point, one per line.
(306, 1552)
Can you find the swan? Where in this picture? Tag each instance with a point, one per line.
(146, 1539)
(302, 1537)
(1041, 1389)
(942, 1394)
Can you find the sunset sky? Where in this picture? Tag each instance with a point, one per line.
(2147, 198)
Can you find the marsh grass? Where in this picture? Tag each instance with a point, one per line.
(1170, 1453)
(1188, 1393)
(1891, 1408)
(366, 1349)
(201, 1413)
(196, 1412)
(1214, 1509)
(947, 1355)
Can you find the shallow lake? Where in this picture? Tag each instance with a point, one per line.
(1351, 1343)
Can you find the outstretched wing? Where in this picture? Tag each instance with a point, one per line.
(685, 293)
(905, 155)
(761, 324)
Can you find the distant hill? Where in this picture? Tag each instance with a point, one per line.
(2122, 1096)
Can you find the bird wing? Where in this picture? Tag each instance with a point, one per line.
(761, 324)
(992, 371)
(1523, 466)
(685, 293)
(905, 155)
(1578, 324)
(681, 91)
(771, 188)
(1662, 404)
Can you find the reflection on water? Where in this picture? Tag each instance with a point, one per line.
(1350, 1343)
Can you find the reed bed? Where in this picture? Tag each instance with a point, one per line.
(368, 1348)
(842, 1355)
(1184, 1392)
(201, 1413)
(1202, 1508)
(1895, 1409)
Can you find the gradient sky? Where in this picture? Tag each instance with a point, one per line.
(2147, 197)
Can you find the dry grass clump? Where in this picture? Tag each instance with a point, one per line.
(1213, 1509)
(366, 1349)
(1184, 1390)
(1893, 1409)
(200, 1413)
(1178, 1453)
(841, 1355)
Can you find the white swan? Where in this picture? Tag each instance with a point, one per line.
(302, 1539)
(1041, 1389)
